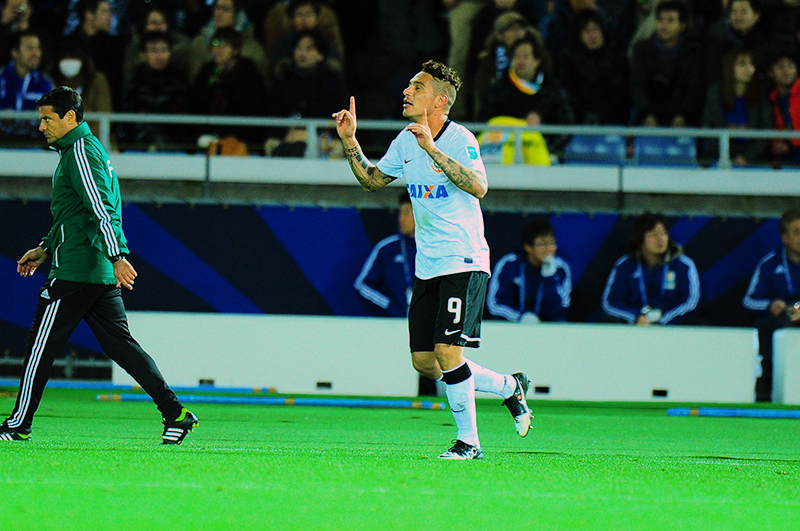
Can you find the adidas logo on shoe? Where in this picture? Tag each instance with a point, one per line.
(176, 430)
(10, 434)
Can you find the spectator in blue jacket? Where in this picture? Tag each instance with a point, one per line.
(534, 284)
(387, 278)
(655, 283)
(774, 293)
(21, 84)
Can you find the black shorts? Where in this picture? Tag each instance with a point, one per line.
(447, 310)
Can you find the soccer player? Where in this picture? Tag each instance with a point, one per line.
(445, 178)
(89, 265)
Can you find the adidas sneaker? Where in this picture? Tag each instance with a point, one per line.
(176, 430)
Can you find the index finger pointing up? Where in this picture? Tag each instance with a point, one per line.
(353, 106)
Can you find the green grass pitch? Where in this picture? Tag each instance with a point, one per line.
(99, 466)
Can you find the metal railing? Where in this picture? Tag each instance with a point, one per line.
(314, 126)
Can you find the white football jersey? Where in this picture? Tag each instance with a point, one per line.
(449, 221)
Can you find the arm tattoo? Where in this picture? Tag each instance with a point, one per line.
(468, 180)
(367, 174)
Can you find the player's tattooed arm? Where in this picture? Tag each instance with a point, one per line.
(367, 174)
(469, 180)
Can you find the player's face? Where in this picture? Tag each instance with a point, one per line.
(419, 96)
(542, 248)
(791, 239)
(53, 126)
(405, 220)
(656, 240)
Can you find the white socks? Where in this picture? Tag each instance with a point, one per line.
(461, 396)
(488, 381)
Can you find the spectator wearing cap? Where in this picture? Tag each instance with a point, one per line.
(483, 24)
(785, 102)
(529, 91)
(493, 60)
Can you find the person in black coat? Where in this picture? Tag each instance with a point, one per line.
(665, 77)
(595, 75)
(741, 30)
(529, 92)
(306, 86)
(156, 86)
(229, 85)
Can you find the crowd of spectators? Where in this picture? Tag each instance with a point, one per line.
(711, 63)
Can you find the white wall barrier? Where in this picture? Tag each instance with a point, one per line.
(786, 366)
(369, 356)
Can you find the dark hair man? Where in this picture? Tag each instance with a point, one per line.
(533, 284)
(89, 265)
(445, 178)
(22, 83)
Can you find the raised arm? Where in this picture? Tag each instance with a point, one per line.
(367, 174)
(469, 180)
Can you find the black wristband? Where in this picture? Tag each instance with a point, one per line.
(116, 258)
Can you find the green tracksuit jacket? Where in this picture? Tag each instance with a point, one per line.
(87, 211)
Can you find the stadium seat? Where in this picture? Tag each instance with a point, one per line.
(667, 151)
(595, 149)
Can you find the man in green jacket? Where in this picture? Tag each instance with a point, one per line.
(89, 265)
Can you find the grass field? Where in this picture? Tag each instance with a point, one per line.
(99, 465)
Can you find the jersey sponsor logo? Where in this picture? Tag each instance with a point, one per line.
(427, 191)
(472, 152)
